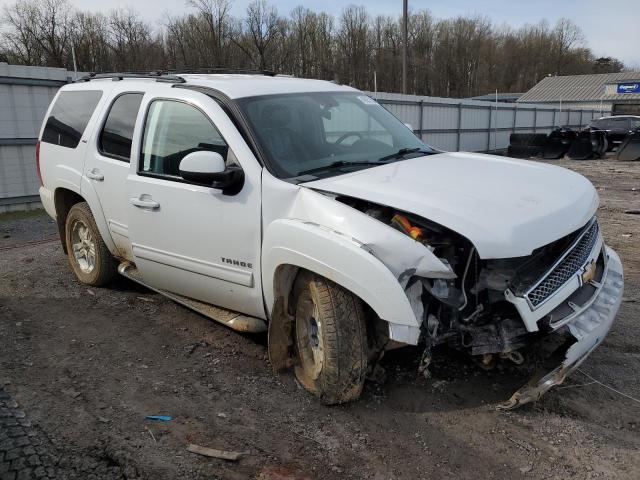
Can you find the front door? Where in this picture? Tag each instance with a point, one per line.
(189, 239)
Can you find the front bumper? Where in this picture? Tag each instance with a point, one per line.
(588, 327)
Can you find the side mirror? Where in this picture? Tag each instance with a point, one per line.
(208, 169)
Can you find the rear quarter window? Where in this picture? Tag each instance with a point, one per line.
(69, 117)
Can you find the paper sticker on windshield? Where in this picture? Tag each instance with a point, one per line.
(367, 100)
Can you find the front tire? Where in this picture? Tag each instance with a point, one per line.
(330, 339)
(88, 255)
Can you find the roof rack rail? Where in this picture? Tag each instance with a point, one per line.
(236, 71)
(158, 75)
(172, 76)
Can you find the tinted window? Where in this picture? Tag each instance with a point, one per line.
(69, 117)
(173, 130)
(635, 123)
(600, 124)
(117, 133)
(312, 132)
(619, 124)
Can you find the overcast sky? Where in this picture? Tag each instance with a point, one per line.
(611, 27)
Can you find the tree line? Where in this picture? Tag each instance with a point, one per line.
(454, 57)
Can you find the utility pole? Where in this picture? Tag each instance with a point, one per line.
(405, 48)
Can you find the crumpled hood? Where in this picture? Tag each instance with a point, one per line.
(505, 207)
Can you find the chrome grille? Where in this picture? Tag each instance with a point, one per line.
(572, 262)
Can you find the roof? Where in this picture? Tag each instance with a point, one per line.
(617, 116)
(243, 85)
(502, 97)
(581, 88)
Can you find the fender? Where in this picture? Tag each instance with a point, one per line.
(91, 197)
(341, 259)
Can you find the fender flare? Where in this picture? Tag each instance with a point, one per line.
(339, 258)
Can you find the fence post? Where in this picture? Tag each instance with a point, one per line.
(459, 126)
(535, 119)
(581, 112)
(568, 117)
(489, 129)
(554, 119)
(515, 116)
(420, 117)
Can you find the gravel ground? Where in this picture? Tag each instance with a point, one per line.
(80, 369)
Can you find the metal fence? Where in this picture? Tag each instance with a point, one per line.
(445, 123)
(25, 94)
(475, 126)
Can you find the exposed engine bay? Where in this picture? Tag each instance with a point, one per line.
(471, 312)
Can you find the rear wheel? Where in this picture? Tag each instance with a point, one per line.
(330, 339)
(89, 257)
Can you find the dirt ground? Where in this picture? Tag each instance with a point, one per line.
(83, 367)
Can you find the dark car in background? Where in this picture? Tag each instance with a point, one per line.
(616, 128)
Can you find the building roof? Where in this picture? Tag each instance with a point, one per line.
(580, 88)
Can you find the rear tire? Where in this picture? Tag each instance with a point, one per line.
(88, 255)
(330, 339)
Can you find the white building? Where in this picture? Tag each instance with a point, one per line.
(615, 92)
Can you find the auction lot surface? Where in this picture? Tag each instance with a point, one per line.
(87, 365)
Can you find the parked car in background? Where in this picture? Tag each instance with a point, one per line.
(616, 128)
(304, 208)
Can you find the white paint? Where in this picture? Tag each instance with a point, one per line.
(202, 162)
(506, 207)
(183, 237)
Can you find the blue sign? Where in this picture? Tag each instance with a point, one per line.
(629, 87)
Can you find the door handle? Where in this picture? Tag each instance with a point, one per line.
(95, 174)
(144, 201)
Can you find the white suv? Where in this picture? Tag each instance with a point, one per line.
(304, 208)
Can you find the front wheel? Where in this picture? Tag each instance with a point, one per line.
(89, 257)
(330, 339)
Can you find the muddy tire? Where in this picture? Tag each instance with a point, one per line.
(89, 257)
(330, 339)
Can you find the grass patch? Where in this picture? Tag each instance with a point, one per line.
(8, 216)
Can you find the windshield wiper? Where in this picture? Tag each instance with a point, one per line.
(402, 152)
(339, 163)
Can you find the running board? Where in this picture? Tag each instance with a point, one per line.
(235, 320)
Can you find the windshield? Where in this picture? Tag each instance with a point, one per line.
(327, 133)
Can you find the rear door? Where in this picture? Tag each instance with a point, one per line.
(107, 166)
(189, 239)
(618, 129)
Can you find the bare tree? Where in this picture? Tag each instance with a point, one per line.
(214, 28)
(258, 34)
(40, 30)
(457, 57)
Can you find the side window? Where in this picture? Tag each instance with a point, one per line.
(619, 124)
(635, 123)
(117, 132)
(172, 130)
(69, 117)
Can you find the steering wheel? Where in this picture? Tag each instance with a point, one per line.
(343, 137)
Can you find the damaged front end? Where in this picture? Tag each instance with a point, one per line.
(566, 293)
